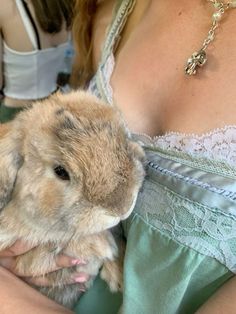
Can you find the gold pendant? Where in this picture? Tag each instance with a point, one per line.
(197, 59)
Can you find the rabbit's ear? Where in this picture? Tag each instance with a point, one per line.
(10, 161)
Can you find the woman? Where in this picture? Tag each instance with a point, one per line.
(182, 228)
(34, 41)
(180, 254)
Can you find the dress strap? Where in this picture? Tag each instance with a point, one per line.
(29, 23)
(121, 13)
(100, 84)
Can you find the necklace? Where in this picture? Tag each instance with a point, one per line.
(199, 58)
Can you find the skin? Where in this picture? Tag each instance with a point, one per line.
(223, 301)
(23, 297)
(10, 21)
(173, 102)
(8, 256)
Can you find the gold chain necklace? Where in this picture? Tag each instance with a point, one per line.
(199, 58)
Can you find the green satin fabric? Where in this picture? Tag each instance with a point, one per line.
(160, 277)
(163, 277)
(162, 273)
(99, 300)
(208, 182)
(8, 113)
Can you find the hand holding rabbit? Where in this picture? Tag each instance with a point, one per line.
(8, 260)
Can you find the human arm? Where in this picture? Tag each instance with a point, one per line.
(223, 301)
(19, 298)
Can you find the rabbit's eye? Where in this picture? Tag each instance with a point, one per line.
(61, 173)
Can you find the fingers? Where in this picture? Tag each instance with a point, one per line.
(61, 261)
(64, 261)
(18, 248)
(8, 263)
(8, 255)
(8, 260)
(46, 282)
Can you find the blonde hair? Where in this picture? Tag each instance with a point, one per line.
(82, 36)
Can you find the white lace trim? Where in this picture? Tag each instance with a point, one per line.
(218, 144)
(107, 73)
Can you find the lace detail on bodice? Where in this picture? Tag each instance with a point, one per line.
(105, 72)
(192, 207)
(108, 70)
(206, 230)
(219, 144)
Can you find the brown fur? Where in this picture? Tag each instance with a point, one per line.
(88, 139)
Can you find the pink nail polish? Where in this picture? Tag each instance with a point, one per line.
(78, 262)
(81, 279)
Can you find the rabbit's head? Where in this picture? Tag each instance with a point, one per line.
(67, 164)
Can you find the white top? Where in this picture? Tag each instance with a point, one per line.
(33, 74)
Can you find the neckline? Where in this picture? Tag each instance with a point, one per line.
(106, 69)
(189, 135)
(32, 52)
(109, 95)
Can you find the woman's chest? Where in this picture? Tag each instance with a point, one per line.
(158, 102)
(154, 93)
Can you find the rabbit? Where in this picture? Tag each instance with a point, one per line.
(69, 172)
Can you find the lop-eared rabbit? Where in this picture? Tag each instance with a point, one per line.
(68, 173)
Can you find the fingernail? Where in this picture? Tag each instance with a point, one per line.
(78, 262)
(81, 278)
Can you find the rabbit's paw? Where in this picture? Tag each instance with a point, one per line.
(112, 273)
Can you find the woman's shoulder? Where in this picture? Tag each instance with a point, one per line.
(7, 11)
(102, 20)
(109, 21)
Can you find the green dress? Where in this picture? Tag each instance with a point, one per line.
(181, 237)
(7, 113)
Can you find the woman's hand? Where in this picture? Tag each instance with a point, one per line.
(8, 261)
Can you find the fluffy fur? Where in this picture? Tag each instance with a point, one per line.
(68, 173)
